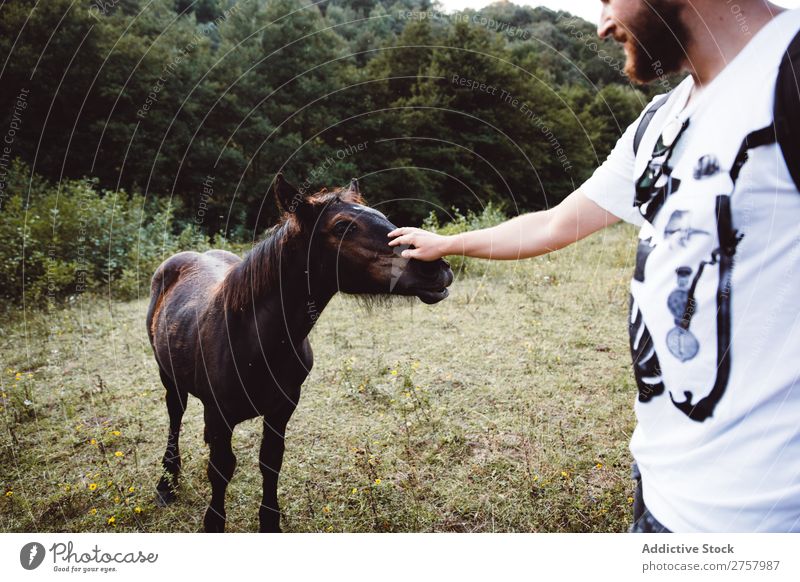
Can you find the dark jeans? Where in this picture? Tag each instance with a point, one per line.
(643, 520)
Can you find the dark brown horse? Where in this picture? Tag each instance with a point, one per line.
(233, 331)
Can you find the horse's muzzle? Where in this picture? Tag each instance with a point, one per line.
(432, 280)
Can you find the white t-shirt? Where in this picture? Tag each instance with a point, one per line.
(737, 468)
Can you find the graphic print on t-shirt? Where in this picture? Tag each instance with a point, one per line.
(683, 303)
(680, 340)
(679, 229)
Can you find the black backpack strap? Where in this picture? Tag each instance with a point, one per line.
(754, 139)
(787, 108)
(646, 119)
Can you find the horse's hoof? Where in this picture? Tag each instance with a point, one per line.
(165, 497)
(213, 522)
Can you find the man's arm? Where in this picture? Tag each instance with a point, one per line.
(528, 235)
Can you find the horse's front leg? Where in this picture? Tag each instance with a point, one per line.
(221, 465)
(271, 458)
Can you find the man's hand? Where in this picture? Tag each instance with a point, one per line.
(427, 245)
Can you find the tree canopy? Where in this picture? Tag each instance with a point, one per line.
(511, 105)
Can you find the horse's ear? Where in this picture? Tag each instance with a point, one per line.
(289, 198)
(353, 192)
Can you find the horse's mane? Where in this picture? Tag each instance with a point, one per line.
(259, 271)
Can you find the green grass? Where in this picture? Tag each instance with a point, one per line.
(507, 407)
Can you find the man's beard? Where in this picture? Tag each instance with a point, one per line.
(655, 41)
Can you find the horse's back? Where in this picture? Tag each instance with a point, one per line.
(208, 267)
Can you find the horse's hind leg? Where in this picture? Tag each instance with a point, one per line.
(176, 405)
(221, 465)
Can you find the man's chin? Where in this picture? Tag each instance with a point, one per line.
(638, 68)
(658, 27)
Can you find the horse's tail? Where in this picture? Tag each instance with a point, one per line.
(163, 279)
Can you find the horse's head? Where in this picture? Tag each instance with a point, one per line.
(350, 239)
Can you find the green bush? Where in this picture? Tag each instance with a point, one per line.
(58, 241)
(491, 215)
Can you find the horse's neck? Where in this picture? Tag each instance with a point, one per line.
(302, 301)
(291, 306)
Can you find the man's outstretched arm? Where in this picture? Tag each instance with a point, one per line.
(528, 235)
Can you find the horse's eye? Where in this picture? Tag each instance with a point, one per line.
(344, 227)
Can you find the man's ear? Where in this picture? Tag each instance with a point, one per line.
(289, 198)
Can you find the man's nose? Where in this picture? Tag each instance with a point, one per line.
(606, 24)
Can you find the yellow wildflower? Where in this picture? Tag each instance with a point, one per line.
(377, 481)
(354, 491)
(599, 465)
(116, 432)
(92, 486)
(119, 454)
(9, 493)
(137, 509)
(630, 500)
(564, 474)
(93, 442)
(112, 520)
(393, 372)
(326, 509)
(131, 489)
(93, 511)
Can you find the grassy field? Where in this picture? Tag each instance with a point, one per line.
(507, 407)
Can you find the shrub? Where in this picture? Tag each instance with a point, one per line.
(491, 215)
(57, 241)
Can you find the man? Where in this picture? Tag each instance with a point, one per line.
(716, 349)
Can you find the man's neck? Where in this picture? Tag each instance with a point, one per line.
(718, 31)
